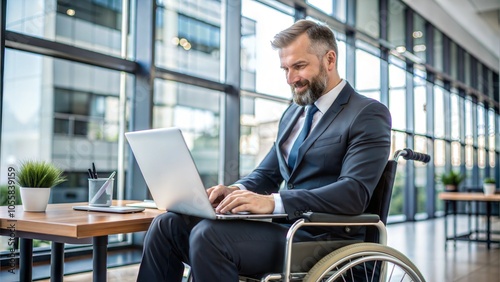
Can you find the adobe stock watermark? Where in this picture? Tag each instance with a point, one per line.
(11, 210)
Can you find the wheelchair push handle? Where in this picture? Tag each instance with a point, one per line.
(409, 154)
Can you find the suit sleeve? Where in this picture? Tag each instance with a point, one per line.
(366, 155)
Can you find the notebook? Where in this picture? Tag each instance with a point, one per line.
(171, 174)
(112, 209)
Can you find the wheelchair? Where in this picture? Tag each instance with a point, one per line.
(367, 260)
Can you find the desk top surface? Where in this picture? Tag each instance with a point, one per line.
(62, 220)
(466, 196)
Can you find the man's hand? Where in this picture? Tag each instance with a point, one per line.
(246, 201)
(217, 193)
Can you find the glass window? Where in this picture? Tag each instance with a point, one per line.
(397, 107)
(196, 111)
(368, 74)
(467, 68)
(336, 8)
(341, 58)
(456, 119)
(497, 139)
(259, 25)
(102, 13)
(396, 25)
(491, 129)
(487, 82)
(87, 24)
(456, 156)
(83, 116)
(259, 128)
(421, 177)
(439, 112)
(453, 60)
(491, 141)
(468, 121)
(438, 50)
(398, 142)
(420, 105)
(367, 17)
(481, 136)
(184, 42)
(439, 169)
(479, 76)
(397, 97)
(418, 34)
(63, 112)
(469, 149)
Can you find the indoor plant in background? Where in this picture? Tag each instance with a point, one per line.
(451, 180)
(489, 186)
(36, 178)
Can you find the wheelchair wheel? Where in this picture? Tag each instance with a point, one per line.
(364, 262)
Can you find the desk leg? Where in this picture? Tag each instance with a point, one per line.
(100, 257)
(454, 207)
(488, 224)
(25, 259)
(57, 262)
(446, 206)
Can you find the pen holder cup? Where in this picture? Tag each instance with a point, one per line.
(100, 192)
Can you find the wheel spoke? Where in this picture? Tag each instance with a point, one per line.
(373, 270)
(392, 271)
(366, 272)
(382, 261)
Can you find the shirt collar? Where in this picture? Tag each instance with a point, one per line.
(325, 101)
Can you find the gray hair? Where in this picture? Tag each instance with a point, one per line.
(321, 37)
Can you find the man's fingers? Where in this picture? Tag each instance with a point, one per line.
(235, 200)
(219, 192)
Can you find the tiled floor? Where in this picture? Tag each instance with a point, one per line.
(423, 242)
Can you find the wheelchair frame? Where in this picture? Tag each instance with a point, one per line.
(320, 219)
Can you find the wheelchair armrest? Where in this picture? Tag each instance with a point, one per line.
(337, 218)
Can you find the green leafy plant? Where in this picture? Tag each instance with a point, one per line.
(40, 174)
(451, 178)
(489, 180)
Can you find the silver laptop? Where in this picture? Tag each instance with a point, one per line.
(171, 174)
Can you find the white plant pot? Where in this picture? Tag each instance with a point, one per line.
(35, 199)
(489, 188)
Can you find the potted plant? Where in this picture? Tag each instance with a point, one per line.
(489, 186)
(451, 180)
(35, 179)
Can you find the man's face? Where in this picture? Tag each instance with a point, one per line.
(305, 73)
(314, 88)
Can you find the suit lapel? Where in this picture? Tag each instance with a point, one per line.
(289, 121)
(327, 119)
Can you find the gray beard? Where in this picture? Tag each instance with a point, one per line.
(316, 88)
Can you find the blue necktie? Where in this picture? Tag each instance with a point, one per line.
(292, 157)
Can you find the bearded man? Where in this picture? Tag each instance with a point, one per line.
(331, 148)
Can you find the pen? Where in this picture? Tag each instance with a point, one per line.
(90, 174)
(95, 172)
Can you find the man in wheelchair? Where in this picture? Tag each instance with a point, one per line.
(331, 149)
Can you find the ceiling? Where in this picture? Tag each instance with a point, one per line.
(488, 11)
(481, 18)
(473, 24)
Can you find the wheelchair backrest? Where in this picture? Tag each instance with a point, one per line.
(381, 199)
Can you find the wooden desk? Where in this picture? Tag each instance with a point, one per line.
(61, 224)
(454, 197)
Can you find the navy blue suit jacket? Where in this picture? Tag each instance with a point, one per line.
(338, 165)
